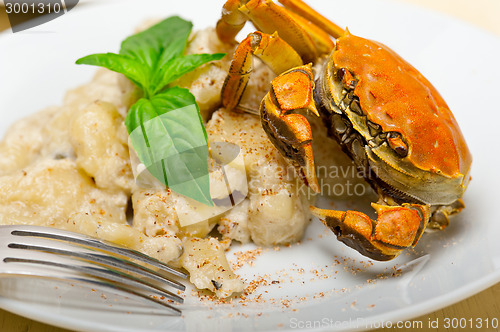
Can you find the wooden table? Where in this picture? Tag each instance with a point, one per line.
(483, 13)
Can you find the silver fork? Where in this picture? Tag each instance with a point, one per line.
(53, 253)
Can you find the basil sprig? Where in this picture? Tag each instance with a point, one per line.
(165, 126)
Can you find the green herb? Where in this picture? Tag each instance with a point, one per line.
(170, 140)
(165, 126)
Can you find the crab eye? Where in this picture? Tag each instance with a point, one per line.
(396, 143)
(348, 81)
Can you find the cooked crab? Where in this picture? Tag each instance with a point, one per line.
(386, 116)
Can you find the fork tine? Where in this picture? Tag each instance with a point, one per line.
(58, 234)
(56, 254)
(176, 311)
(96, 277)
(114, 262)
(103, 273)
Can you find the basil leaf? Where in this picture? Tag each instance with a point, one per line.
(133, 70)
(147, 46)
(178, 67)
(173, 50)
(165, 127)
(167, 133)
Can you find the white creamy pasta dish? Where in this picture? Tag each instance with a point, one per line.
(69, 167)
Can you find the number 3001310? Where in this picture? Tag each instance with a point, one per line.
(32, 8)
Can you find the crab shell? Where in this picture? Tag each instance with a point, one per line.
(411, 142)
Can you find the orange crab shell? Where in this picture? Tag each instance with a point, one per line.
(396, 96)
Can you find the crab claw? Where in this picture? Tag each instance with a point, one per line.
(396, 228)
(291, 132)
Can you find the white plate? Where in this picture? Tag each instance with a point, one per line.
(37, 67)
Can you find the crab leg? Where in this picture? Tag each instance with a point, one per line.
(440, 215)
(268, 17)
(290, 132)
(231, 21)
(306, 38)
(271, 49)
(302, 9)
(396, 228)
(324, 44)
